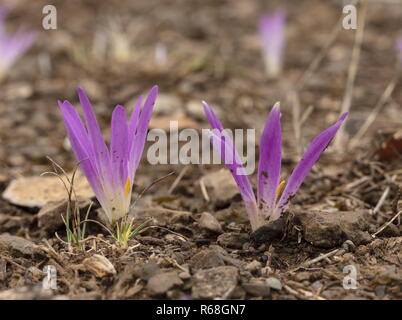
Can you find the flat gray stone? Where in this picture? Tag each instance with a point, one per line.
(257, 289)
(274, 283)
(331, 229)
(162, 282)
(207, 259)
(220, 185)
(233, 240)
(215, 282)
(18, 245)
(35, 192)
(209, 222)
(149, 269)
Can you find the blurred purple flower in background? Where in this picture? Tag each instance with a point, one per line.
(270, 202)
(12, 46)
(272, 34)
(399, 49)
(109, 171)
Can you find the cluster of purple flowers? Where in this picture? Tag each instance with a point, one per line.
(270, 201)
(111, 171)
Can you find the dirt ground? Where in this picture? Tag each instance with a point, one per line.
(334, 227)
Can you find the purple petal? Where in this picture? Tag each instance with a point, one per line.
(230, 157)
(12, 46)
(272, 34)
(99, 146)
(71, 115)
(119, 145)
(212, 118)
(269, 167)
(224, 146)
(310, 157)
(3, 13)
(80, 145)
(134, 121)
(399, 48)
(141, 131)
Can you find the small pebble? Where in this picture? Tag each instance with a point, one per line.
(380, 291)
(209, 222)
(274, 283)
(184, 275)
(264, 259)
(253, 266)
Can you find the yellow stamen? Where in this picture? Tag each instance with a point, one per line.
(280, 187)
(127, 187)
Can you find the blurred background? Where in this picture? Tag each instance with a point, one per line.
(194, 50)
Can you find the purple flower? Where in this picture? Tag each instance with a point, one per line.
(272, 34)
(109, 171)
(399, 49)
(268, 205)
(12, 46)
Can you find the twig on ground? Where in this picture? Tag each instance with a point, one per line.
(395, 212)
(386, 224)
(319, 258)
(12, 262)
(396, 200)
(352, 72)
(378, 107)
(296, 122)
(320, 56)
(178, 179)
(166, 229)
(149, 187)
(179, 266)
(204, 190)
(302, 293)
(383, 197)
(358, 182)
(306, 114)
